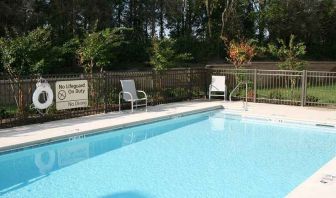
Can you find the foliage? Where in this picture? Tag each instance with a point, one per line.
(319, 94)
(164, 55)
(311, 98)
(96, 49)
(27, 54)
(198, 28)
(175, 93)
(276, 94)
(289, 54)
(63, 57)
(237, 19)
(4, 113)
(130, 52)
(241, 53)
(311, 21)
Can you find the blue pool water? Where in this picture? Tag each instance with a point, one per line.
(205, 155)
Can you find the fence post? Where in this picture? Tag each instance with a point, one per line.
(255, 86)
(206, 74)
(303, 87)
(154, 82)
(190, 84)
(105, 91)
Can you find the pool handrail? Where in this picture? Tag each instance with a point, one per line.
(236, 88)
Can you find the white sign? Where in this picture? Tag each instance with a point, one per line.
(71, 94)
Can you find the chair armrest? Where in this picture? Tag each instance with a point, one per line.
(125, 92)
(140, 91)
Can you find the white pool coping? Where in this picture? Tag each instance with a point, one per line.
(29, 135)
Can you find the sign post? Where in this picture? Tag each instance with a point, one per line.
(71, 94)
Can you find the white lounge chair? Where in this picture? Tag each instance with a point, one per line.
(217, 87)
(129, 94)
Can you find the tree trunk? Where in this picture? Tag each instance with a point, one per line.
(91, 82)
(209, 12)
(153, 19)
(225, 16)
(21, 100)
(161, 19)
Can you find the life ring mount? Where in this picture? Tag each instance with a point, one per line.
(43, 88)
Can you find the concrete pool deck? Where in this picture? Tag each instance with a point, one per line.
(51, 131)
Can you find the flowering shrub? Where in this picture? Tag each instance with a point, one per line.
(240, 53)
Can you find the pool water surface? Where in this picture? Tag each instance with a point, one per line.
(209, 154)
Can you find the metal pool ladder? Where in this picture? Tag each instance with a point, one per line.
(236, 88)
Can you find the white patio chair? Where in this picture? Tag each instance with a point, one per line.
(129, 94)
(217, 87)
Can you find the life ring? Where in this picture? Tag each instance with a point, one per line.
(43, 87)
(43, 166)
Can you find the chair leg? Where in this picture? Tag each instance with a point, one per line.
(132, 106)
(119, 104)
(146, 104)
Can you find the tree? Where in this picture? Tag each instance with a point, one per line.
(237, 20)
(164, 56)
(198, 27)
(209, 10)
(311, 21)
(240, 53)
(290, 54)
(95, 49)
(25, 55)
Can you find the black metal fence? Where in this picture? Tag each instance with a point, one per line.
(170, 86)
(306, 88)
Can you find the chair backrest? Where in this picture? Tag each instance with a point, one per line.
(217, 83)
(129, 86)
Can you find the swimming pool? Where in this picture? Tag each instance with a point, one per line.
(210, 154)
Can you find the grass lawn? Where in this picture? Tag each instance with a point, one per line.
(320, 94)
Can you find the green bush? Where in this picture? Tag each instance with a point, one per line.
(311, 98)
(63, 58)
(176, 93)
(289, 54)
(164, 55)
(4, 113)
(26, 54)
(100, 50)
(276, 94)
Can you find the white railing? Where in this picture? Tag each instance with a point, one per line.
(288, 87)
(236, 88)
